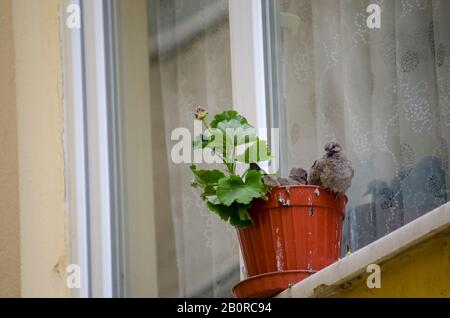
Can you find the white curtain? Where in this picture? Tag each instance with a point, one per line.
(384, 94)
(198, 253)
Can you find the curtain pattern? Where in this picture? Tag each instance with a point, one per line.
(190, 66)
(384, 94)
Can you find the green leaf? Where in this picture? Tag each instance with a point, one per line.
(234, 189)
(228, 115)
(202, 141)
(228, 135)
(222, 210)
(206, 179)
(217, 140)
(207, 176)
(232, 213)
(236, 133)
(256, 152)
(227, 130)
(244, 215)
(231, 196)
(237, 222)
(213, 199)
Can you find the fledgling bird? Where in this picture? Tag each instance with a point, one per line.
(283, 181)
(298, 176)
(333, 171)
(268, 180)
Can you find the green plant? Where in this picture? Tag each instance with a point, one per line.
(231, 138)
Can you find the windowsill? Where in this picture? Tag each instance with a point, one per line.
(334, 278)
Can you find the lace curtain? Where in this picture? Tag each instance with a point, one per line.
(198, 253)
(384, 94)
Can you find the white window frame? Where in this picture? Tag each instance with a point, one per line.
(247, 68)
(252, 75)
(87, 149)
(75, 152)
(247, 61)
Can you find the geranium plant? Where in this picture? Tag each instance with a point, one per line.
(233, 140)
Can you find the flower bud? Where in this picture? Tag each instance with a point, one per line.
(200, 113)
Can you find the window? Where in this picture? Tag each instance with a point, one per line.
(313, 69)
(382, 93)
(172, 56)
(134, 72)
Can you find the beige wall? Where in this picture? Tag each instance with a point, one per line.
(9, 179)
(36, 117)
(41, 165)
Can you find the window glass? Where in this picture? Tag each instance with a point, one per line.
(382, 93)
(173, 56)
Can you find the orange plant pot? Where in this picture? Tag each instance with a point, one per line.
(299, 229)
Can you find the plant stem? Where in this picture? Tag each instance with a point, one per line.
(206, 125)
(230, 167)
(233, 163)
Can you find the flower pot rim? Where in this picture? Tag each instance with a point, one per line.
(301, 195)
(269, 284)
(306, 186)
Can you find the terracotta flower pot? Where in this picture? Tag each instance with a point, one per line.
(298, 230)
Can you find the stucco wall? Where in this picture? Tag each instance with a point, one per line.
(40, 150)
(9, 180)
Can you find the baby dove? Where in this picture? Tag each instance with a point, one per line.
(333, 171)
